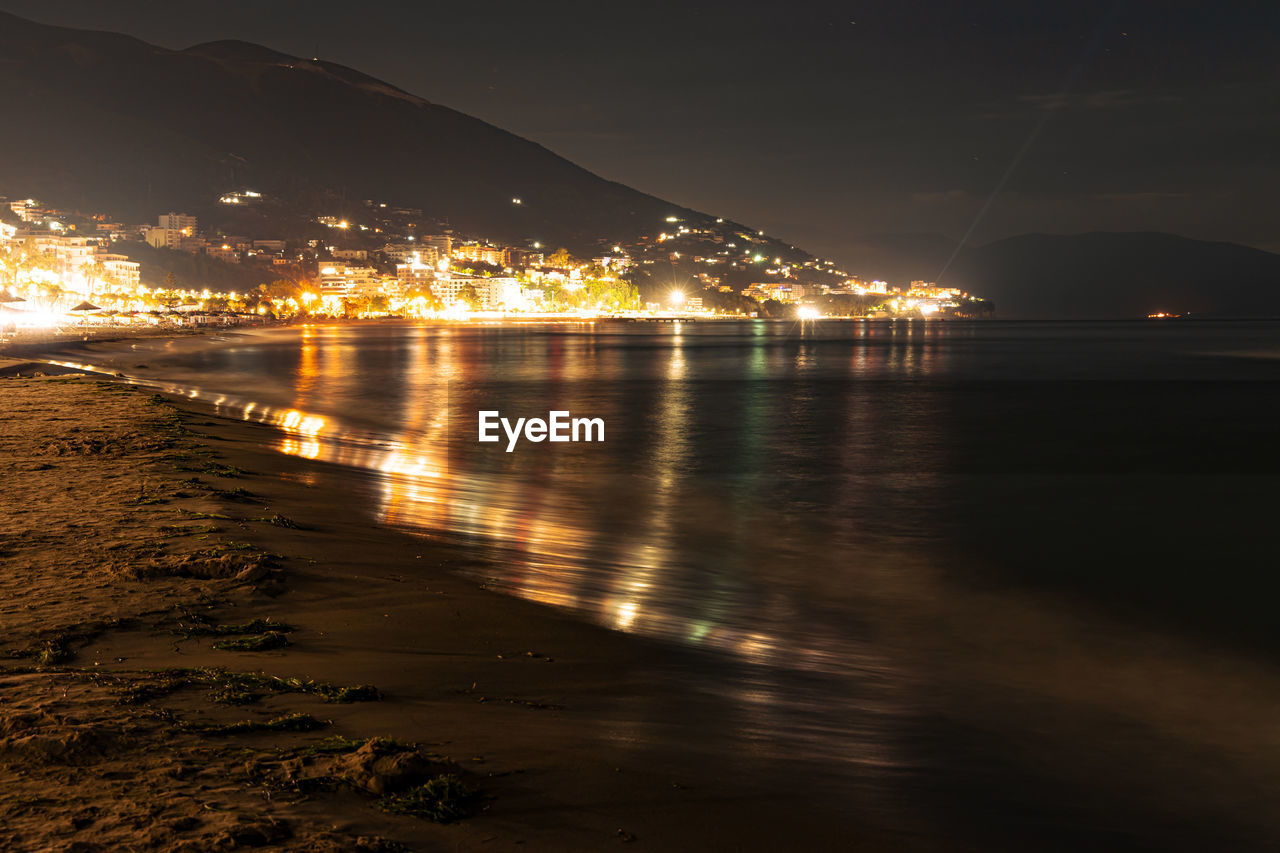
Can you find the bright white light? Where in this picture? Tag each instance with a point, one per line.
(808, 312)
(626, 615)
(676, 297)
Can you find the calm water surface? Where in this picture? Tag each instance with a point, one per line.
(1010, 585)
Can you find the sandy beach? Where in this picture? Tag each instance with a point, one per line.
(204, 653)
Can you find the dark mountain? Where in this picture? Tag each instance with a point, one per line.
(1121, 275)
(1096, 275)
(101, 121)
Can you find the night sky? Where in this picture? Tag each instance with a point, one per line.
(824, 122)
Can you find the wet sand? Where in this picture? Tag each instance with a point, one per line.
(131, 530)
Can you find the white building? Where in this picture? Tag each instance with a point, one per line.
(241, 197)
(28, 210)
(224, 252)
(502, 294)
(442, 243)
(617, 263)
(409, 253)
(413, 276)
(120, 271)
(495, 294)
(73, 253)
(164, 238)
(348, 281)
(449, 288)
(476, 253)
(178, 222)
(785, 292)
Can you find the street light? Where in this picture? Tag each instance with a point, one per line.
(676, 298)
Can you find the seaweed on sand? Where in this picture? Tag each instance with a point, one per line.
(443, 799)
(253, 643)
(241, 688)
(285, 723)
(256, 626)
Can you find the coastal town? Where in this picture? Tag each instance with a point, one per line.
(66, 270)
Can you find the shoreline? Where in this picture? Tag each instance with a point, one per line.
(577, 736)
(516, 699)
(564, 723)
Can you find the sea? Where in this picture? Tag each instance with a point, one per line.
(1005, 585)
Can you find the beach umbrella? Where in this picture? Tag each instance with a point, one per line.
(86, 306)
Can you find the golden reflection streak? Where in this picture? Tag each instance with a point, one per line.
(420, 492)
(650, 557)
(308, 369)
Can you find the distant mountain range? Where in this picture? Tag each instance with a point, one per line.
(102, 121)
(1095, 275)
(1124, 275)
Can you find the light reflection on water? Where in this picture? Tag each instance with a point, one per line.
(827, 511)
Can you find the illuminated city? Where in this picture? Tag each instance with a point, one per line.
(65, 271)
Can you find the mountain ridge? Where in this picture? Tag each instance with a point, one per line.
(1107, 274)
(179, 127)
